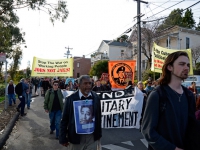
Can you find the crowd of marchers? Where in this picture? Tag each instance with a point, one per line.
(170, 118)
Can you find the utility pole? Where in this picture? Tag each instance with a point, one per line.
(68, 51)
(139, 71)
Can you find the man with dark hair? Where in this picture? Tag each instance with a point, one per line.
(22, 97)
(53, 105)
(165, 127)
(121, 77)
(10, 91)
(69, 136)
(86, 114)
(98, 87)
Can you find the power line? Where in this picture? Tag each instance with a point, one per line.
(158, 6)
(168, 7)
(173, 14)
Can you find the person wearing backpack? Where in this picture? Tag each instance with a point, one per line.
(20, 90)
(169, 121)
(53, 105)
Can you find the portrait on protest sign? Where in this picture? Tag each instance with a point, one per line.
(84, 116)
(120, 72)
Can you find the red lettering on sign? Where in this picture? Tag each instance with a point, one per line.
(63, 70)
(39, 70)
(51, 70)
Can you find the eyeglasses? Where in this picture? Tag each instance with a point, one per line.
(55, 84)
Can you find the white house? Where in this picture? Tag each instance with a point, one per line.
(112, 50)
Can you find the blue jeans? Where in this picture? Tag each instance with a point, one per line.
(10, 98)
(55, 117)
(21, 104)
(29, 99)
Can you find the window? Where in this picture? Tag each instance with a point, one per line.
(122, 53)
(78, 64)
(168, 46)
(78, 75)
(187, 42)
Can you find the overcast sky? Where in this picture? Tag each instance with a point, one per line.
(89, 22)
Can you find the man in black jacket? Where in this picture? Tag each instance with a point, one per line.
(74, 134)
(165, 128)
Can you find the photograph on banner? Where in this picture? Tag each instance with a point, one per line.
(120, 72)
(84, 116)
(159, 55)
(121, 112)
(49, 67)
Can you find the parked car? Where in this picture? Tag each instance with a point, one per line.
(195, 78)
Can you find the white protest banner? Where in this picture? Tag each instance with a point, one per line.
(119, 111)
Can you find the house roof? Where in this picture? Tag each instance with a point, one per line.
(182, 29)
(116, 43)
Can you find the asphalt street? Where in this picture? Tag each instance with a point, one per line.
(32, 133)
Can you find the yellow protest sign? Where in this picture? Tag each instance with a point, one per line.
(159, 55)
(49, 67)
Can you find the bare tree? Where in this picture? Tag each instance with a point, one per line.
(148, 35)
(195, 55)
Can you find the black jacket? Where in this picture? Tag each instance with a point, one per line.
(67, 125)
(155, 123)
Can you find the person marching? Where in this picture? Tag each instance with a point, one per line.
(170, 107)
(53, 105)
(91, 128)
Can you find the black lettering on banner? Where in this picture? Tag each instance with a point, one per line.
(128, 102)
(108, 102)
(102, 106)
(109, 120)
(114, 106)
(123, 119)
(121, 105)
(135, 113)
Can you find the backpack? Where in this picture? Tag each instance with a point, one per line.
(19, 89)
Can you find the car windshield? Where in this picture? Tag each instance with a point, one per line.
(191, 79)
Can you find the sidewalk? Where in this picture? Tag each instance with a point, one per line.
(8, 129)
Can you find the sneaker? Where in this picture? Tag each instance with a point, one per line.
(18, 109)
(57, 138)
(24, 114)
(28, 107)
(10, 104)
(51, 132)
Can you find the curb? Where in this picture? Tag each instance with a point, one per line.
(8, 129)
